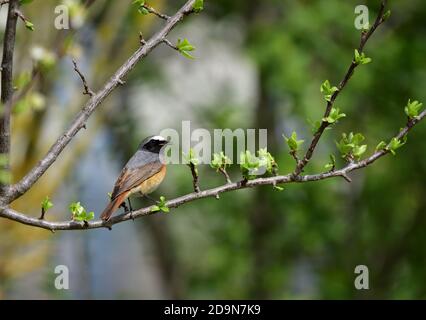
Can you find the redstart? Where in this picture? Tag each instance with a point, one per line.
(143, 173)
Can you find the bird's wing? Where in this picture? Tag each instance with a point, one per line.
(133, 177)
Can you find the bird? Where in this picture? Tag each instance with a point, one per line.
(143, 173)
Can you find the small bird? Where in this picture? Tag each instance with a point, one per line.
(143, 173)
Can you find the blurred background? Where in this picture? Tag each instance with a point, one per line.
(258, 65)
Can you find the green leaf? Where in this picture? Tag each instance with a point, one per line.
(190, 158)
(184, 47)
(139, 3)
(334, 116)
(332, 164)
(381, 146)
(395, 144)
(386, 15)
(198, 6)
(161, 206)
(143, 11)
(315, 125)
(278, 188)
(29, 25)
(267, 160)
(292, 142)
(350, 145)
(22, 2)
(155, 208)
(79, 213)
(360, 58)
(412, 108)
(327, 90)
(220, 161)
(358, 151)
(249, 164)
(46, 204)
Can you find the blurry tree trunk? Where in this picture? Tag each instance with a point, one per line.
(262, 217)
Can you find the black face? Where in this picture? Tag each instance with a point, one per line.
(153, 144)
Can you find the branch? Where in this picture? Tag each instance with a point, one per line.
(83, 79)
(324, 124)
(11, 214)
(194, 172)
(7, 85)
(31, 177)
(225, 174)
(155, 12)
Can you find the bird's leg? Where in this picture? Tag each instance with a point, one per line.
(130, 204)
(123, 205)
(148, 197)
(131, 209)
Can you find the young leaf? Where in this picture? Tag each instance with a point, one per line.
(139, 3)
(334, 116)
(267, 160)
(46, 204)
(386, 15)
(395, 144)
(315, 125)
(220, 161)
(292, 142)
(184, 47)
(412, 108)
(327, 90)
(332, 164)
(249, 164)
(381, 146)
(198, 6)
(29, 25)
(143, 11)
(361, 58)
(350, 145)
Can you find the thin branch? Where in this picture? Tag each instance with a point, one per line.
(171, 45)
(7, 86)
(83, 79)
(225, 174)
(324, 124)
(11, 214)
(78, 123)
(195, 178)
(158, 14)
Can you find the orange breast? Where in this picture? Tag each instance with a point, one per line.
(152, 183)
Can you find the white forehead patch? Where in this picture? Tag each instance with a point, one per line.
(158, 138)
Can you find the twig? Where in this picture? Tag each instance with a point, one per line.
(171, 45)
(225, 173)
(158, 14)
(195, 179)
(43, 212)
(77, 124)
(87, 90)
(142, 41)
(324, 124)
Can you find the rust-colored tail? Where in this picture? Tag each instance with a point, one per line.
(112, 206)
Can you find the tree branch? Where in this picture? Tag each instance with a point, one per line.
(11, 214)
(155, 12)
(31, 177)
(7, 87)
(83, 79)
(324, 124)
